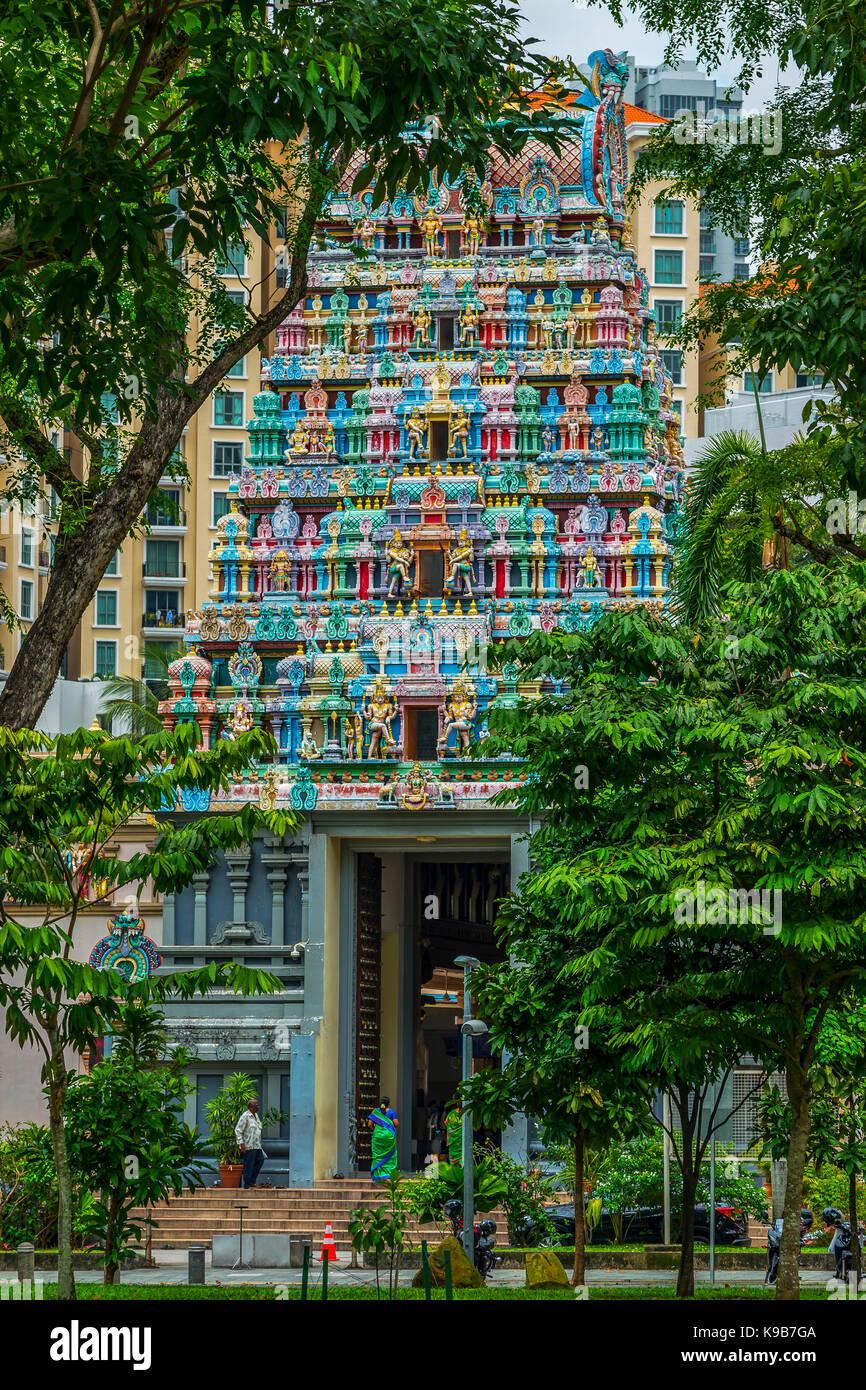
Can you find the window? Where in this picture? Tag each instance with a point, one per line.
(804, 378)
(669, 105)
(113, 568)
(707, 267)
(26, 547)
(238, 297)
(228, 408)
(741, 270)
(238, 369)
(708, 243)
(673, 363)
(106, 608)
(669, 218)
(668, 314)
(677, 408)
(162, 608)
(162, 557)
(166, 515)
(234, 262)
(220, 505)
(668, 267)
(228, 458)
(742, 246)
(25, 609)
(764, 385)
(106, 659)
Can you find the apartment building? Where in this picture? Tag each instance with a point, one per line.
(666, 234)
(152, 579)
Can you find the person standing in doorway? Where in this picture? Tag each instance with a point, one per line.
(454, 1131)
(248, 1132)
(384, 1124)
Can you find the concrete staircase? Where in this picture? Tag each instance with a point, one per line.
(198, 1215)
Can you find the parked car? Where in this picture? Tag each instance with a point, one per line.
(640, 1226)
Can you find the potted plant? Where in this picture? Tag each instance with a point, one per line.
(222, 1114)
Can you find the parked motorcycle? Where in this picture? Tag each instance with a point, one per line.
(485, 1260)
(774, 1244)
(483, 1242)
(841, 1245)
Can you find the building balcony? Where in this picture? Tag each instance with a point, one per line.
(157, 625)
(153, 573)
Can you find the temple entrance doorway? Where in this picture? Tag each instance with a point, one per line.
(456, 914)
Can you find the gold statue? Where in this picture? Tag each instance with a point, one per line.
(354, 727)
(473, 227)
(461, 705)
(469, 319)
(379, 709)
(430, 225)
(417, 432)
(399, 556)
(458, 434)
(299, 439)
(421, 319)
(460, 563)
(588, 572)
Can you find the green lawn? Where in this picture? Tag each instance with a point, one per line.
(666, 1293)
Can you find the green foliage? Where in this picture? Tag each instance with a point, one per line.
(524, 1194)
(801, 202)
(126, 1139)
(200, 121)
(28, 1187)
(426, 1197)
(729, 754)
(383, 1231)
(224, 1111)
(58, 795)
(631, 1176)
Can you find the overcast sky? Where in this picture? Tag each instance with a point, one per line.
(568, 27)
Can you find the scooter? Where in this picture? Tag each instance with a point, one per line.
(841, 1244)
(774, 1245)
(482, 1243)
(485, 1260)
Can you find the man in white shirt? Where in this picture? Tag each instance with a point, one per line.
(248, 1132)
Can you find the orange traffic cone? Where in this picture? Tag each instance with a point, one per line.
(329, 1247)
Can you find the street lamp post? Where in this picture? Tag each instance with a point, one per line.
(472, 1028)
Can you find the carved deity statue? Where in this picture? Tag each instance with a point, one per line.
(416, 429)
(379, 709)
(430, 225)
(469, 318)
(280, 569)
(354, 727)
(459, 563)
(461, 706)
(458, 435)
(309, 747)
(589, 576)
(299, 439)
(474, 226)
(399, 556)
(421, 320)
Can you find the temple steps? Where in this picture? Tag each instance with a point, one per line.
(198, 1215)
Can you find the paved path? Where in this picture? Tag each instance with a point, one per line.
(172, 1269)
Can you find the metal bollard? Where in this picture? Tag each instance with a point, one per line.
(195, 1274)
(26, 1263)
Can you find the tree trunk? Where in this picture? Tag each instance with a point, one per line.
(856, 1253)
(81, 558)
(788, 1284)
(686, 1271)
(56, 1105)
(578, 1277)
(111, 1262)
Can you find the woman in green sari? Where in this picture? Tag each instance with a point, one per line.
(454, 1131)
(384, 1124)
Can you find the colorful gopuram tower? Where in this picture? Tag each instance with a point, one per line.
(465, 435)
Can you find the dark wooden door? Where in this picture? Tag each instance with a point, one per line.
(368, 1000)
